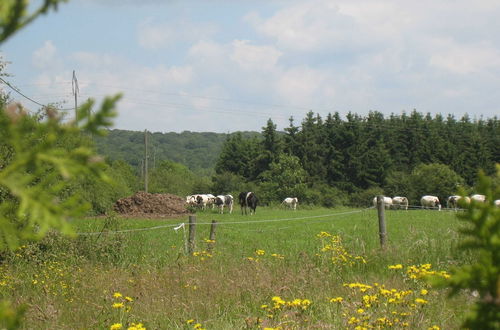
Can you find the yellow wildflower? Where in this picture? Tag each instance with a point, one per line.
(423, 292)
(260, 252)
(118, 305)
(324, 234)
(189, 321)
(116, 326)
(129, 299)
(421, 301)
(117, 295)
(398, 266)
(138, 326)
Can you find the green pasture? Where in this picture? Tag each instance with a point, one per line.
(418, 236)
(69, 283)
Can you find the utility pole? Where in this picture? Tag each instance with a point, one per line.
(146, 160)
(76, 91)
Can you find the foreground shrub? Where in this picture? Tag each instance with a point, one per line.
(482, 232)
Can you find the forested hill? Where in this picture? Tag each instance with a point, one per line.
(199, 151)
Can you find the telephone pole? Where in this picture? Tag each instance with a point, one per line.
(76, 91)
(146, 160)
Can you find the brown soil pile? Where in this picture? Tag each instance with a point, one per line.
(151, 205)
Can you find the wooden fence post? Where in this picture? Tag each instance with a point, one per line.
(192, 230)
(381, 220)
(212, 235)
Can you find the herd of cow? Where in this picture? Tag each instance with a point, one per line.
(431, 201)
(247, 200)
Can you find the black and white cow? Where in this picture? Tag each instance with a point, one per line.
(453, 201)
(291, 202)
(224, 200)
(248, 199)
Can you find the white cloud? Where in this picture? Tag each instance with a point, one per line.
(253, 57)
(301, 85)
(464, 58)
(153, 35)
(45, 57)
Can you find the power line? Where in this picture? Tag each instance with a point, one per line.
(25, 96)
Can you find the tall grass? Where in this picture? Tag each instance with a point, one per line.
(69, 283)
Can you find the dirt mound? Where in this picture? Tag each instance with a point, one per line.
(152, 205)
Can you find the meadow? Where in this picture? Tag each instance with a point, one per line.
(314, 268)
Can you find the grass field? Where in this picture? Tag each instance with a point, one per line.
(313, 268)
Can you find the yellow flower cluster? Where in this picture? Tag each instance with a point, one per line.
(122, 304)
(56, 278)
(203, 255)
(422, 271)
(292, 312)
(121, 301)
(375, 306)
(133, 326)
(259, 253)
(280, 304)
(334, 248)
(195, 325)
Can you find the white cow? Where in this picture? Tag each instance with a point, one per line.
(497, 202)
(291, 202)
(478, 198)
(387, 202)
(430, 202)
(224, 200)
(399, 202)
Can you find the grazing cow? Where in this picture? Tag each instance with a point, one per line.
(497, 202)
(202, 201)
(387, 202)
(399, 202)
(248, 199)
(191, 200)
(224, 200)
(430, 202)
(211, 200)
(478, 198)
(452, 202)
(291, 202)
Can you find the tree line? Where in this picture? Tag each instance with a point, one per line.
(335, 160)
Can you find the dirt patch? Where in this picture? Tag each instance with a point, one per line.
(144, 204)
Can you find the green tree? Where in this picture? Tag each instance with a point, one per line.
(434, 179)
(285, 178)
(291, 144)
(171, 177)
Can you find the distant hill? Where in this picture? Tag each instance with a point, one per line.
(199, 151)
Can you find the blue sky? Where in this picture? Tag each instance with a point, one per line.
(224, 66)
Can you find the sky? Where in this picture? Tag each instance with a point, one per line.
(230, 65)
